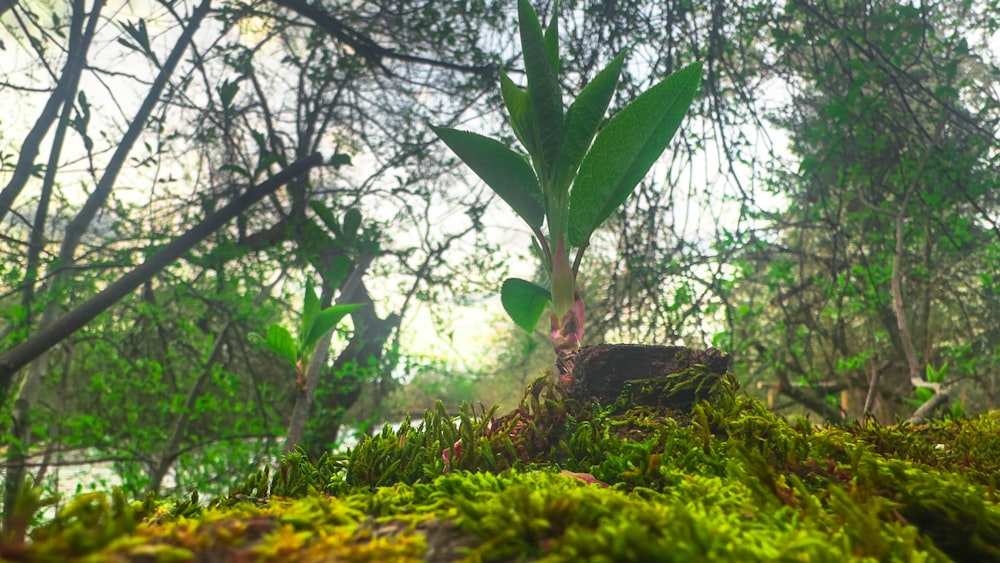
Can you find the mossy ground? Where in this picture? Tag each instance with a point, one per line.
(725, 480)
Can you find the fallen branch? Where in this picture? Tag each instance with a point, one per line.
(923, 414)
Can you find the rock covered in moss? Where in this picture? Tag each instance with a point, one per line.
(725, 480)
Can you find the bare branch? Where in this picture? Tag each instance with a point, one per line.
(924, 412)
(6, 5)
(80, 223)
(366, 46)
(64, 91)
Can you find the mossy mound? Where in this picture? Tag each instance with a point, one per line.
(725, 480)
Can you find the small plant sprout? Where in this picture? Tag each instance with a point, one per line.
(575, 173)
(315, 324)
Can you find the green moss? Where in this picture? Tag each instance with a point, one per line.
(722, 480)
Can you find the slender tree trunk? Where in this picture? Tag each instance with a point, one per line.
(367, 343)
(171, 448)
(21, 423)
(926, 340)
(304, 399)
(873, 381)
(63, 93)
(897, 298)
(916, 366)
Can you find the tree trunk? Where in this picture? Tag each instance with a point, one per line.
(304, 397)
(170, 450)
(366, 346)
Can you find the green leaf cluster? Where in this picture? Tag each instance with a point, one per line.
(315, 323)
(575, 173)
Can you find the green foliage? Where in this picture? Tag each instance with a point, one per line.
(524, 301)
(875, 143)
(350, 242)
(315, 324)
(625, 149)
(281, 342)
(728, 479)
(934, 376)
(132, 374)
(576, 173)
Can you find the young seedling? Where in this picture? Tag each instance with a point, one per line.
(575, 174)
(315, 324)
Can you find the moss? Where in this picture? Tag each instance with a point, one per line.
(555, 480)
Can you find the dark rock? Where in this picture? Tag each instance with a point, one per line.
(672, 376)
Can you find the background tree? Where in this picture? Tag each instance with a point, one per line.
(873, 277)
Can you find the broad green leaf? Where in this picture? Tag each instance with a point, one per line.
(325, 321)
(317, 238)
(924, 394)
(227, 92)
(340, 159)
(524, 301)
(551, 37)
(310, 309)
(519, 109)
(326, 215)
(543, 89)
(280, 341)
(505, 171)
(261, 141)
(584, 117)
(234, 168)
(265, 162)
(626, 149)
(352, 220)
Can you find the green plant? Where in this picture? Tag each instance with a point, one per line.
(314, 325)
(576, 173)
(936, 378)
